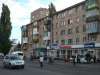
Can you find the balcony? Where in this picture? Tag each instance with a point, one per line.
(35, 33)
(24, 28)
(46, 36)
(25, 40)
(91, 4)
(93, 13)
(92, 27)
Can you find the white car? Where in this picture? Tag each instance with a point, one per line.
(12, 61)
(82, 59)
(19, 54)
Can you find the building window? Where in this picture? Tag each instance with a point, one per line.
(77, 29)
(92, 37)
(63, 32)
(76, 9)
(83, 17)
(77, 40)
(71, 11)
(84, 28)
(69, 21)
(63, 15)
(84, 39)
(69, 31)
(70, 41)
(78, 20)
(63, 42)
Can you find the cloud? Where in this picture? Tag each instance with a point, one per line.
(21, 9)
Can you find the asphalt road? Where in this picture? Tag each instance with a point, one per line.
(58, 68)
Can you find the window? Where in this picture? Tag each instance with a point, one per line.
(70, 21)
(69, 31)
(63, 32)
(92, 37)
(84, 28)
(83, 17)
(76, 9)
(71, 11)
(77, 40)
(77, 29)
(77, 19)
(63, 23)
(56, 33)
(63, 42)
(63, 15)
(70, 41)
(84, 39)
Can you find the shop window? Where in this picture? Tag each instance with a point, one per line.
(70, 41)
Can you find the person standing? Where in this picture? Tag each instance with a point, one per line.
(41, 61)
(74, 62)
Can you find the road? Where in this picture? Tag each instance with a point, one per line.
(58, 68)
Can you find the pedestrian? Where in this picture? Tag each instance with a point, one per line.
(41, 59)
(74, 62)
(94, 59)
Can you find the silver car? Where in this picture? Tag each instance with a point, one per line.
(12, 61)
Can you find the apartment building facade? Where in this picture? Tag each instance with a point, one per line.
(75, 30)
(30, 32)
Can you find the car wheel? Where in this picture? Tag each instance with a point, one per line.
(10, 66)
(4, 66)
(22, 67)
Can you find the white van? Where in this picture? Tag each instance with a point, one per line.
(19, 53)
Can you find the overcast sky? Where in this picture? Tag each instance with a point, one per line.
(21, 9)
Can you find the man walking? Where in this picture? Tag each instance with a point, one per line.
(74, 62)
(41, 61)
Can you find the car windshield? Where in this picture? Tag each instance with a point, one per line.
(14, 58)
(21, 54)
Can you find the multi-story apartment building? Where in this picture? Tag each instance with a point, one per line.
(76, 30)
(24, 39)
(38, 14)
(30, 31)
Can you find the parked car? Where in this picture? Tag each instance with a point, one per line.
(12, 61)
(19, 54)
(1, 55)
(82, 59)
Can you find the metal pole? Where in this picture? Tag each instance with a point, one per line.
(51, 30)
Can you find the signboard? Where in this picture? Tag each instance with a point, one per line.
(55, 46)
(65, 46)
(89, 45)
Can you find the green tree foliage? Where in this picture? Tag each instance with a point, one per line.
(5, 29)
(52, 10)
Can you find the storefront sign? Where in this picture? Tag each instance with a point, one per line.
(65, 46)
(89, 45)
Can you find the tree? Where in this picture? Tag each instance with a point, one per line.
(52, 10)
(5, 29)
(48, 22)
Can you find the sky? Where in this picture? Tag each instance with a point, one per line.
(21, 10)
